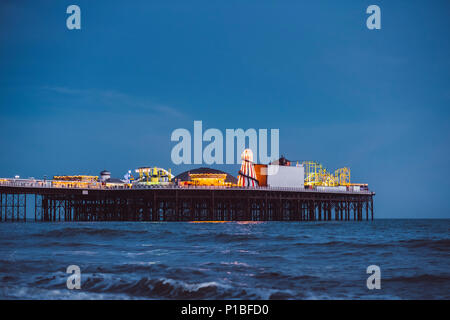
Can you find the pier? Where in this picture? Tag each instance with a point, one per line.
(177, 203)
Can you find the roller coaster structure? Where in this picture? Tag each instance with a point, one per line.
(317, 175)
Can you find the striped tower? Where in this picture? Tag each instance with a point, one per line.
(247, 175)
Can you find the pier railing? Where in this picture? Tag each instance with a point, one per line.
(35, 183)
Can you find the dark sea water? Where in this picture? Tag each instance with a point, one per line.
(270, 260)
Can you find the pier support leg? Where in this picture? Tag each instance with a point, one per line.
(371, 207)
(320, 211)
(347, 210)
(360, 215)
(330, 208)
(14, 206)
(367, 210)
(35, 207)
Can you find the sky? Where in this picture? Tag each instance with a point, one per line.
(109, 96)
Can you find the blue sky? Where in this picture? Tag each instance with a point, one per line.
(108, 96)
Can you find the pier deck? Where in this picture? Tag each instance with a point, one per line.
(173, 203)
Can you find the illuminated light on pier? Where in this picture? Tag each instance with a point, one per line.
(247, 174)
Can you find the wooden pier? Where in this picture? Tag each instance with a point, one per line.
(182, 204)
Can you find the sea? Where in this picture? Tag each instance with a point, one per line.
(230, 260)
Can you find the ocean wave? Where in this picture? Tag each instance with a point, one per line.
(72, 232)
(167, 288)
(441, 244)
(235, 264)
(133, 266)
(15, 266)
(69, 244)
(341, 244)
(223, 237)
(273, 275)
(426, 277)
(156, 288)
(9, 278)
(290, 238)
(21, 292)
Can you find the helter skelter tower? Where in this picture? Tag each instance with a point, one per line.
(247, 175)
